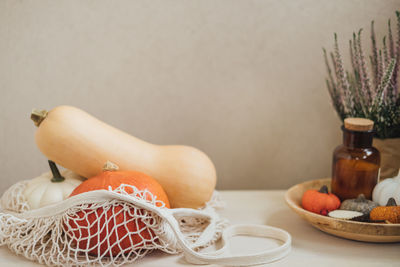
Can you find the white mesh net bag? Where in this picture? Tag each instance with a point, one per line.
(112, 227)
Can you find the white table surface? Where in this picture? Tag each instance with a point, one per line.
(310, 247)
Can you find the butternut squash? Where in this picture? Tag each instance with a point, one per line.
(77, 141)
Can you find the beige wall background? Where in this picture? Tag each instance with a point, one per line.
(241, 80)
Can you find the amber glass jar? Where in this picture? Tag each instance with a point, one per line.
(356, 163)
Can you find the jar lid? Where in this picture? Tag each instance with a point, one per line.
(358, 124)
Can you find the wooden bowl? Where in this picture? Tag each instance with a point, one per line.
(360, 231)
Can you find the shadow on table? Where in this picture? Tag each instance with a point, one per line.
(306, 237)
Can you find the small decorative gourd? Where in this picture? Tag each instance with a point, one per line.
(390, 212)
(386, 189)
(360, 204)
(321, 202)
(51, 187)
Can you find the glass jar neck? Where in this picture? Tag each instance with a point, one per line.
(354, 139)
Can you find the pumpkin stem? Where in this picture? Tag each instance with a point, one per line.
(56, 173)
(109, 166)
(324, 189)
(360, 198)
(391, 202)
(38, 115)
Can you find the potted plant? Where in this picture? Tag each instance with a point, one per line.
(370, 94)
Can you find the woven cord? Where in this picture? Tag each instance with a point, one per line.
(114, 227)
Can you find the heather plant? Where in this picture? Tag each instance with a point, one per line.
(368, 94)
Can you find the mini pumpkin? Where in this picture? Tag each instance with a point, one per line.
(360, 204)
(51, 187)
(390, 212)
(320, 201)
(85, 232)
(386, 189)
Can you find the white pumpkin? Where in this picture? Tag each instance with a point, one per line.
(51, 187)
(386, 189)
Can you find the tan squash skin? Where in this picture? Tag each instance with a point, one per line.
(77, 141)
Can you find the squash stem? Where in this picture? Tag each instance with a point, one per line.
(56, 173)
(38, 115)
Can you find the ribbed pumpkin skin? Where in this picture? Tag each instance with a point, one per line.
(115, 178)
(41, 191)
(386, 189)
(83, 231)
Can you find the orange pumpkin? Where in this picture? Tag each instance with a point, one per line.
(321, 202)
(85, 225)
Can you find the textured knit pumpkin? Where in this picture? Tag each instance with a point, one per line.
(321, 202)
(390, 212)
(86, 225)
(386, 189)
(360, 204)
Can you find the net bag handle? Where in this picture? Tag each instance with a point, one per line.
(216, 257)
